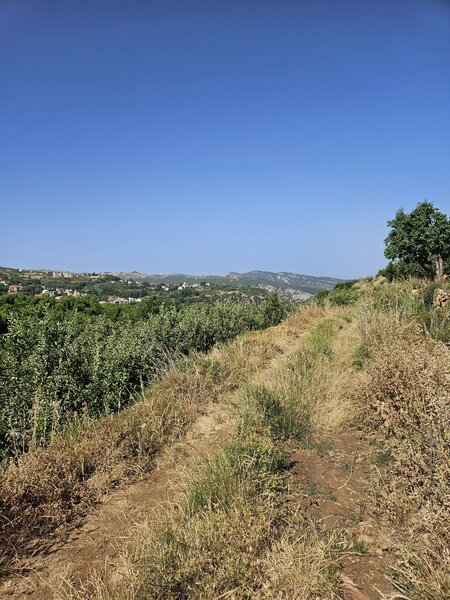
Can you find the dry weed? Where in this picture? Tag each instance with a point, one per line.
(408, 392)
(406, 398)
(302, 564)
(424, 573)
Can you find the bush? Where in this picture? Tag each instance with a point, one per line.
(342, 294)
(54, 367)
(401, 270)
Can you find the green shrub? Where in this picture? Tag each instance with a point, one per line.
(321, 297)
(56, 366)
(343, 297)
(342, 294)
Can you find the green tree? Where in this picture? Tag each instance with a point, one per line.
(274, 309)
(418, 243)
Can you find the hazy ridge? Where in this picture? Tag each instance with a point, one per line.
(284, 279)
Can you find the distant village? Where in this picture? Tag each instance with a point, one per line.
(132, 288)
(59, 292)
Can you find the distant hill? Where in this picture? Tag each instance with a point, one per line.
(294, 287)
(263, 279)
(286, 279)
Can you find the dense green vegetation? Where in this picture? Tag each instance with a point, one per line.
(76, 358)
(90, 305)
(108, 286)
(418, 244)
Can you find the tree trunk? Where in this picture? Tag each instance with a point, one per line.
(439, 267)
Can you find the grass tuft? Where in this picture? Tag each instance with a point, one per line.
(242, 470)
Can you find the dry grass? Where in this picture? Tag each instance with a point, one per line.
(312, 391)
(407, 390)
(302, 564)
(211, 544)
(52, 486)
(247, 543)
(406, 400)
(236, 533)
(364, 364)
(300, 319)
(423, 574)
(332, 392)
(401, 394)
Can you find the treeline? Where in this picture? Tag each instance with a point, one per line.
(84, 307)
(91, 305)
(61, 362)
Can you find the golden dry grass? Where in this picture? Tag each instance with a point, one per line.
(301, 564)
(407, 391)
(367, 365)
(405, 400)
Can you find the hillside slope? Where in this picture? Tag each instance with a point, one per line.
(314, 464)
(47, 564)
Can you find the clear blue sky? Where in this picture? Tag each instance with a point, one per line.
(199, 137)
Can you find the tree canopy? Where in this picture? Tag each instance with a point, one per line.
(418, 243)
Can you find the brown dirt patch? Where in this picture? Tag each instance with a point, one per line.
(331, 480)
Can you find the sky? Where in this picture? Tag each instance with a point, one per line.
(219, 135)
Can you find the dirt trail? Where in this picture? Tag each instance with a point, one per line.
(95, 545)
(332, 479)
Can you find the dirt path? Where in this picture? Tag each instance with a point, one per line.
(331, 480)
(95, 546)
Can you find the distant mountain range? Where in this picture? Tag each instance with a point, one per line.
(263, 279)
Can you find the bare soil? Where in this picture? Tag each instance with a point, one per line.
(331, 480)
